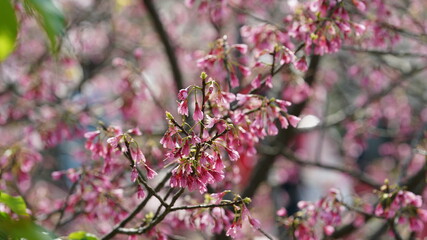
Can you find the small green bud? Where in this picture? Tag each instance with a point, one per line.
(314, 36)
(203, 76)
(208, 197)
(247, 200)
(149, 216)
(169, 116)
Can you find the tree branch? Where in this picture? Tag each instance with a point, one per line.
(285, 136)
(343, 114)
(355, 174)
(382, 52)
(138, 209)
(165, 39)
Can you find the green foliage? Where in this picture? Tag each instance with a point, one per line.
(50, 18)
(21, 229)
(24, 228)
(8, 29)
(82, 236)
(16, 204)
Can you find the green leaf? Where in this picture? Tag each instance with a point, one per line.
(16, 204)
(81, 236)
(51, 19)
(23, 229)
(8, 29)
(4, 216)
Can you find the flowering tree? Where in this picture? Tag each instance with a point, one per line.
(211, 119)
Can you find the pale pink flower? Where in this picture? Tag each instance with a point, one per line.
(269, 81)
(256, 83)
(301, 65)
(57, 175)
(329, 230)
(282, 212)
(233, 154)
(242, 48)
(134, 174)
(135, 131)
(140, 192)
(183, 107)
(294, 120)
(415, 224)
(198, 114)
(183, 94)
(150, 172)
(244, 70)
(234, 81)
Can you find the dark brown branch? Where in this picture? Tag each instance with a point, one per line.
(140, 230)
(407, 161)
(341, 115)
(355, 174)
(138, 209)
(248, 13)
(62, 210)
(415, 184)
(131, 231)
(206, 206)
(165, 39)
(260, 172)
(383, 52)
(394, 230)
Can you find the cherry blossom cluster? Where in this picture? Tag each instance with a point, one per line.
(223, 122)
(17, 164)
(404, 206)
(221, 211)
(214, 219)
(213, 142)
(320, 25)
(119, 143)
(221, 56)
(325, 215)
(314, 219)
(94, 195)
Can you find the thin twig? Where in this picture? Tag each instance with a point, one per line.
(225, 204)
(140, 230)
(62, 210)
(265, 233)
(394, 230)
(407, 161)
(137, 209)
(355, 174)
(383, 52)
(343, 114)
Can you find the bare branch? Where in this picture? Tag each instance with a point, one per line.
(165, 39)
(355, 174)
